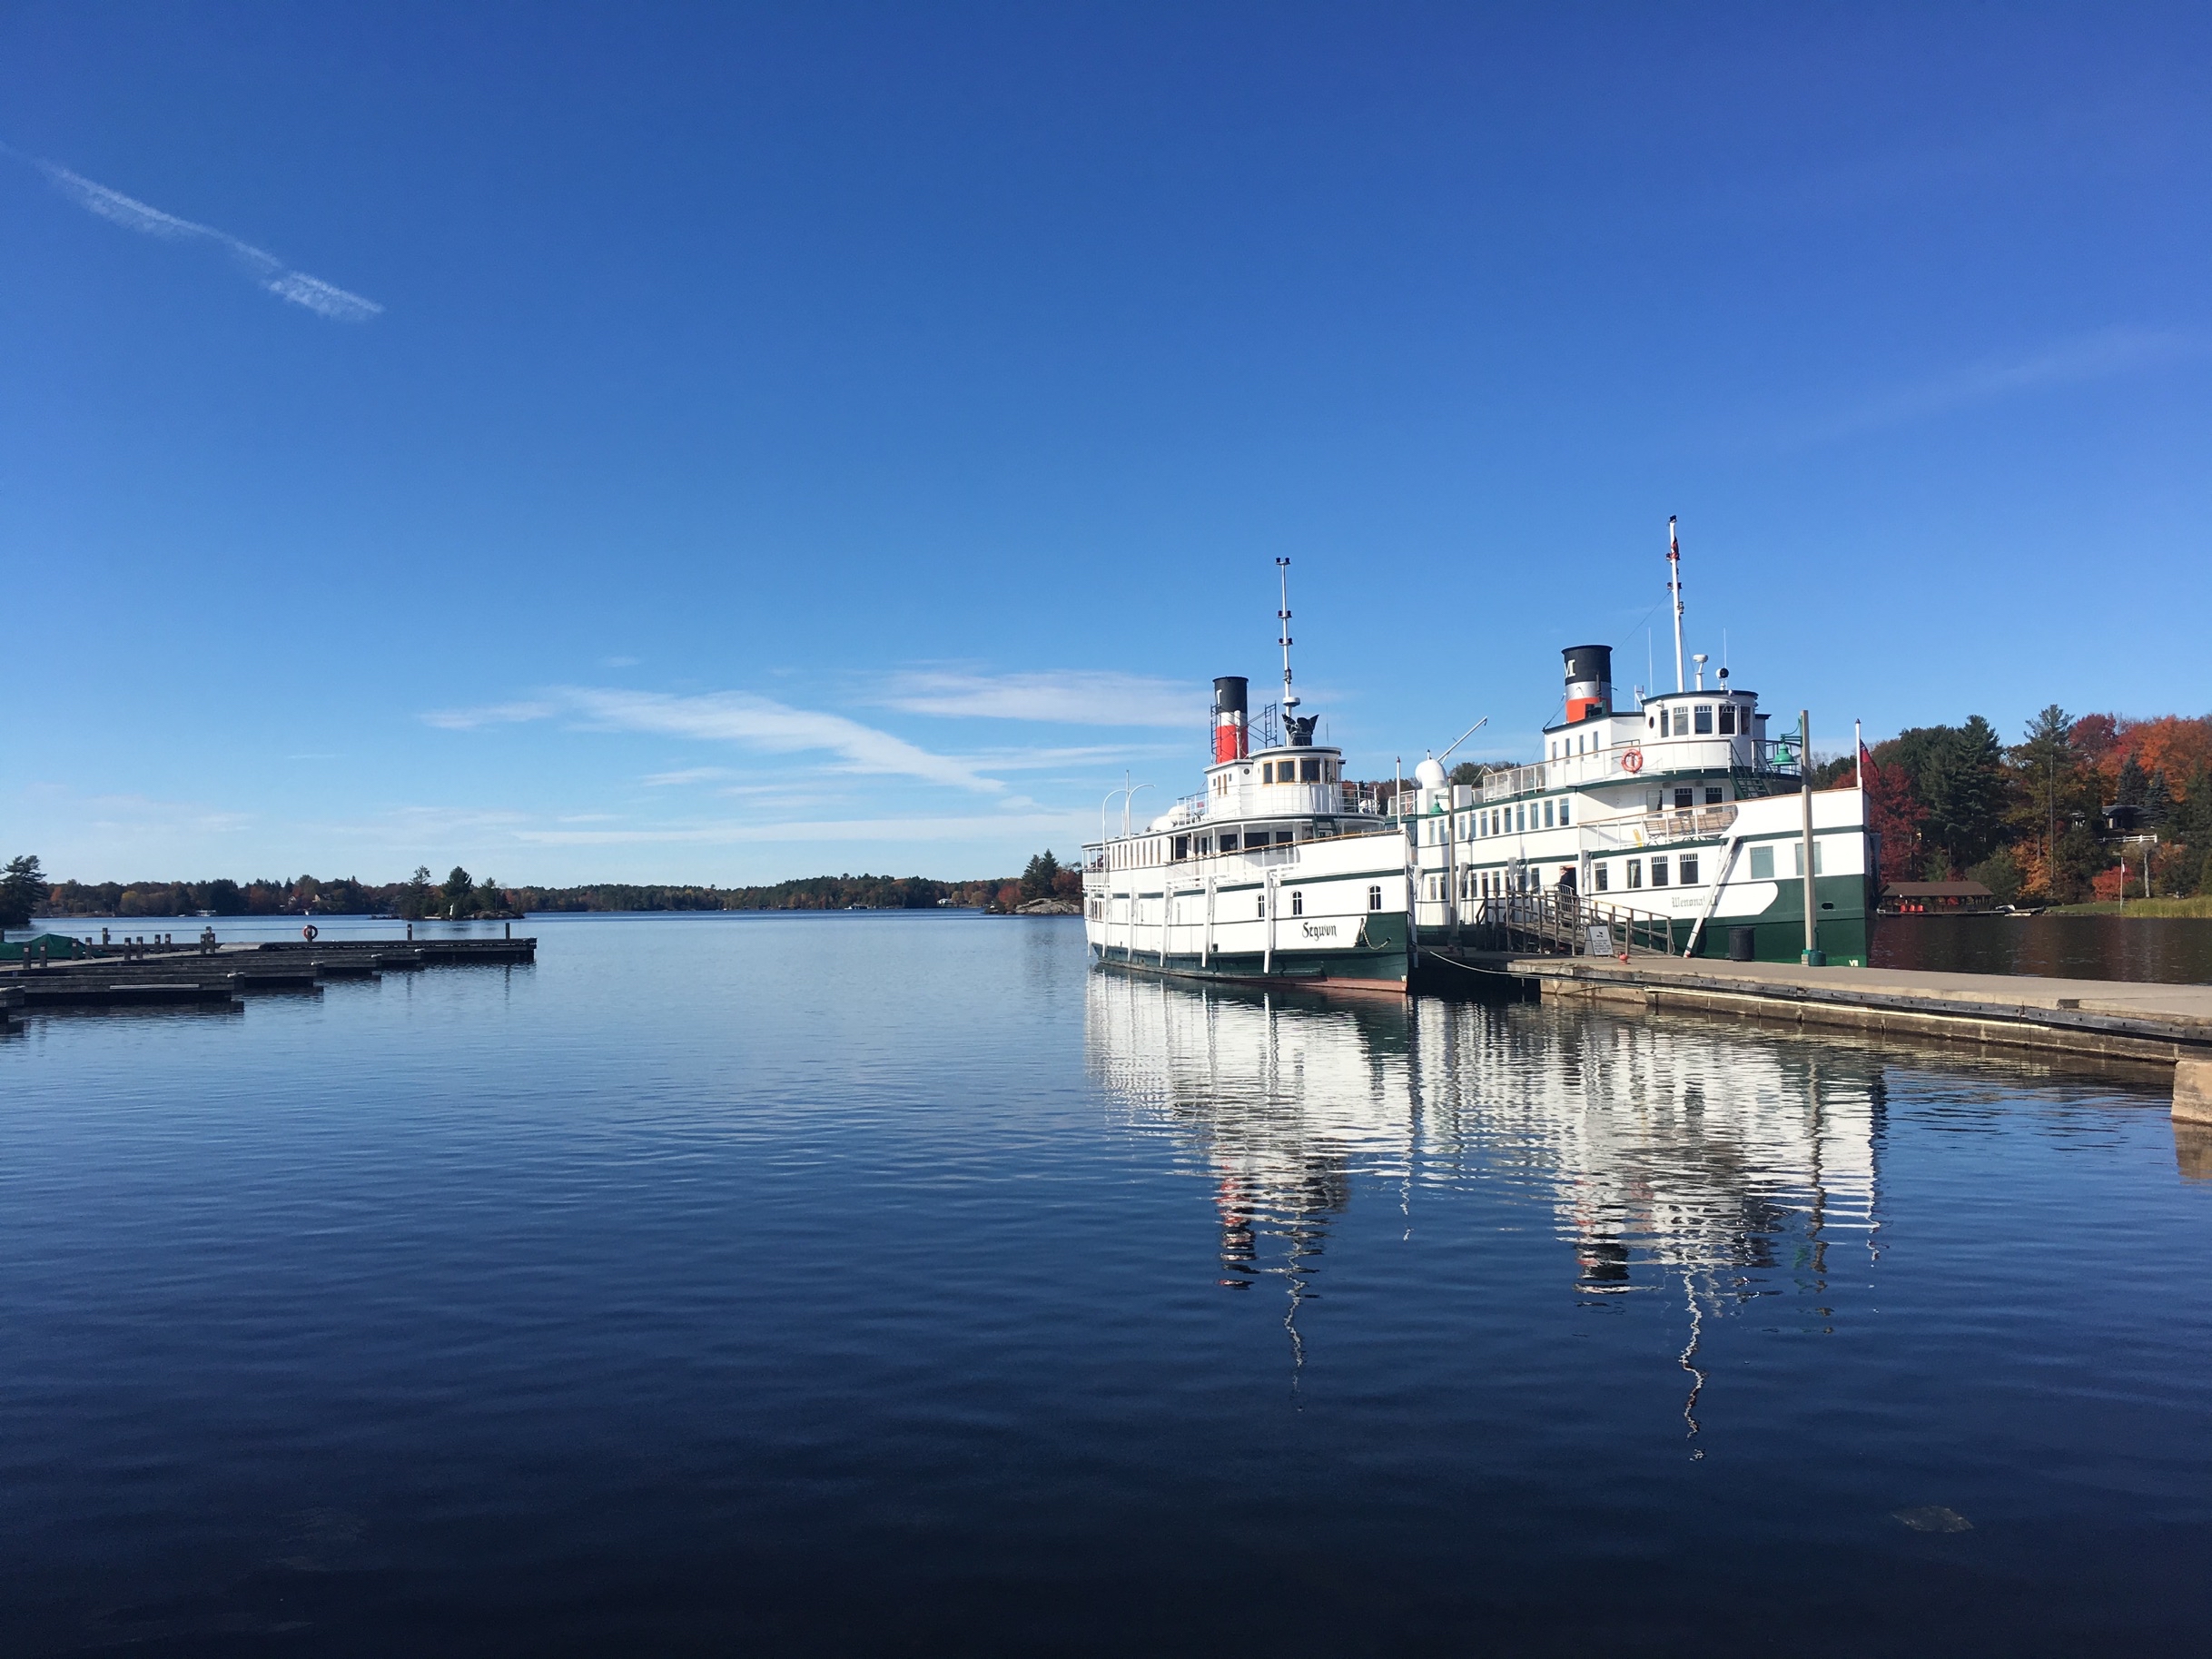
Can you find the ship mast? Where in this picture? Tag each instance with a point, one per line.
(1674, 582)
(1282, 570)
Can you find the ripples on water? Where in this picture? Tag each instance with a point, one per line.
(2167, 949)
(872, 1284)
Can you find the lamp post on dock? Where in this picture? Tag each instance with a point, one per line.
(1812, 957)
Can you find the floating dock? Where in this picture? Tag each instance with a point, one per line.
(118, 976)
(2104, 1019)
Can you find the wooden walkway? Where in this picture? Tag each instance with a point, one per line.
(2106, 1019)
(188, 974)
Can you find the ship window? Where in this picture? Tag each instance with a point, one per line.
(1762, 864)
(1658, 872)
(1689, 869)
(1652, 721)
(1713, 795)
(1263, 907)
(1728, 719)
(1182, 846)
(1298, 903)
(1563, 811)
(1229, 840)
(1705, 719)
(1635, 873)
(1598, 872)
(1374, 898)
(1683, 798)
(1547, 815)
(1682, 722)
(1266, 771)
(1797, 858)
(1309, 771)
(1283, 838)
(1520, 817)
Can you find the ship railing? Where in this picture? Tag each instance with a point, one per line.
(1518, 780)
(1096, 861)
(1762, 767)
(1560, 922)
(1661, 829)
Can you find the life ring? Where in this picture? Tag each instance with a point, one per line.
(308, 933)
(1632, 760)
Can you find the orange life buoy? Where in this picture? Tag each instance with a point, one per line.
(308, 933)
(1632, 761)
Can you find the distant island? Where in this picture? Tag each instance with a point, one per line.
(25, 892)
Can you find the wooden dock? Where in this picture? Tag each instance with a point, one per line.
(189, 974)
(2106, 1019)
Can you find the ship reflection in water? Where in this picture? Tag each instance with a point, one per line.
(1679, 1158)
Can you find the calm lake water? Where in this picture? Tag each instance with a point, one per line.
(2171, 950)
(896, 1284)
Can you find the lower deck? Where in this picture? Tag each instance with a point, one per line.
(1331, 909)
(1379, 957)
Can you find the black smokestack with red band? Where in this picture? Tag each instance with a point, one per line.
(1589, 681)
(1229, 740)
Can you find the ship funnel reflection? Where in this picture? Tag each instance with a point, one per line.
(1707, 1164)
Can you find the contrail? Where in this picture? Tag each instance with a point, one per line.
(268, 271)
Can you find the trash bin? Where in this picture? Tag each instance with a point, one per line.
(1741, 946)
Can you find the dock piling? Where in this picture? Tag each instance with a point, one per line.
(2193, 1091)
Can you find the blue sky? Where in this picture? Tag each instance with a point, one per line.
(720, 445)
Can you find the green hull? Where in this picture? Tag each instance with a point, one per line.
(1778, 933)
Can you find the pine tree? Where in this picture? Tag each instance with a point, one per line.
(2132, 785)
(23, 889)
(2157, 801)
(1037, 878)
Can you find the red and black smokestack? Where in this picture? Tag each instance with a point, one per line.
(1589, 681)
(1229, 739)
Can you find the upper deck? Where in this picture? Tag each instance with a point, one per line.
(1669, 735)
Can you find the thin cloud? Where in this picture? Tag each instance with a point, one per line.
(846, 829)
(1074, 697)
(497, 714)
(733, 716)
(1042, 760)
(776, 728)
(2091, 357)
(138, 812)
(266, 270)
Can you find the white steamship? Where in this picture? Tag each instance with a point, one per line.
(1279, 870)
(1680, 820)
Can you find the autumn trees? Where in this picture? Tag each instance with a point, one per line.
(2026, 821)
